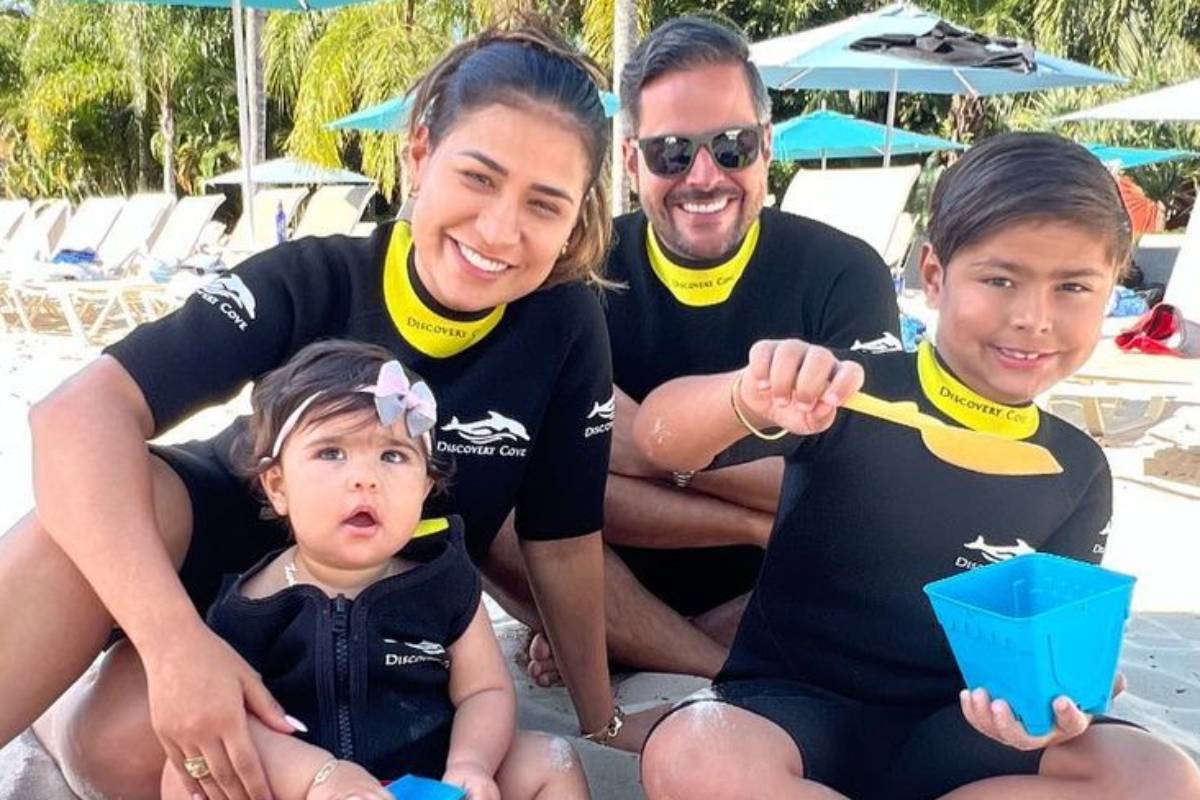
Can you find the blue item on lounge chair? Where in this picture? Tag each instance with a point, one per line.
(74, 257)
(1035, 627)
(412, 787)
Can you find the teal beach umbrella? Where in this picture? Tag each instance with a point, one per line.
(391, 116)
(828, 134)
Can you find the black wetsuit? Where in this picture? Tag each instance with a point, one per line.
(524, 391)
(370, 676)
(792, 278)
(838, 644)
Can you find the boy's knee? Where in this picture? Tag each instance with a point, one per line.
(1123, 763)
(554, 753)
(683, 757)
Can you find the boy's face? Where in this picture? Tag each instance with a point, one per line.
(1021, 309)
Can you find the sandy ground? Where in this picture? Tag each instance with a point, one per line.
(1154, 536)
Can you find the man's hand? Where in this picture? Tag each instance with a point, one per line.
(627, 459)
(200, 691)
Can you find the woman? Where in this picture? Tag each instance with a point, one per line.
(484, 294)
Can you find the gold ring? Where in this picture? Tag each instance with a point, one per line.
(197, 767)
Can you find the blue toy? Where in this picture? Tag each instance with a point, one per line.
(1035, 627)
(412, 787)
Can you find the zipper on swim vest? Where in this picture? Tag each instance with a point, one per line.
(341, 685)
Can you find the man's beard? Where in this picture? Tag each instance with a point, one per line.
(673, 239)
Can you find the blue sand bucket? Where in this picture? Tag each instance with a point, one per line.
(412, 787)
(1035, 627)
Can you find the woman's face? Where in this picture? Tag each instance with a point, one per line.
(496, 201)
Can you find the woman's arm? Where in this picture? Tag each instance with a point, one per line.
(567, 580)
(95, 497)
(790, 384)
(486, 709)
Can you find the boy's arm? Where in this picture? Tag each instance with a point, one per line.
(485, 701)
(789, 384)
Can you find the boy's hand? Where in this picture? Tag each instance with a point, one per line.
(479, 783)
(796, 385)
(349, 781)
(994, 719)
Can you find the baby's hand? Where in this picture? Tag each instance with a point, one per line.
(349, 781)
(477, 781)
(796, 385)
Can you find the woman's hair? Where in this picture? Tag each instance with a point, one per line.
(528, 66)
(335, 370)
(1027, 177)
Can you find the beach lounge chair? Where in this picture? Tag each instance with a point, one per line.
(1183, 289)
(865, 203)
(333, 210)
(37, 233)
(267, 203)
(11, 214)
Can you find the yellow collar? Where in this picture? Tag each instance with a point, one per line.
(708, 286)
(429, 331)
(954, 399)
(428, 527)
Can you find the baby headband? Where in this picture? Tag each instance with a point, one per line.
(395, 396)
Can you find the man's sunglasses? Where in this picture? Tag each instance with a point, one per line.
(672, 155)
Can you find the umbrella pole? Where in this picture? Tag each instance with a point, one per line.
(239, 63)
(891, 119)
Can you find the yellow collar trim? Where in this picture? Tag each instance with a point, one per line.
(965, 406)
(428, 331)
(709, 286)
(428, 527)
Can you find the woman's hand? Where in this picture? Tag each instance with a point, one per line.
(795, 385)
(478, 782)
(349, 781)
(994, 719)
(200, 690)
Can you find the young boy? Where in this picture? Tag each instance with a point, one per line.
(840, 682)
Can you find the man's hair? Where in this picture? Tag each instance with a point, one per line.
(686, 43)
(1016, 178)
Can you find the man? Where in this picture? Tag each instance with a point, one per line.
(708, 272)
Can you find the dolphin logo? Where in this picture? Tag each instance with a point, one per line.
(887, 343)
(495, 427)
(605, 411)
(426, 647)
(233, 288)
(998, 552)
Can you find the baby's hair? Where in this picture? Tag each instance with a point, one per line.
(333, 370)
(1015, 178)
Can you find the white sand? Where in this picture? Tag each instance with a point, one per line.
(1154, 536)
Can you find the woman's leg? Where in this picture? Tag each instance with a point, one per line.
(52, 625)
(718, 751)
(541, 767)
(1108, 762)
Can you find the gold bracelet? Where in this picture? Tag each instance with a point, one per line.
(609, 732)
(324, 772)
(734, 391)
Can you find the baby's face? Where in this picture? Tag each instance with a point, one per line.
(353, 489)
(1021, 309)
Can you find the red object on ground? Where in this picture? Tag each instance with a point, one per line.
(1163, 330)
(1146, 214)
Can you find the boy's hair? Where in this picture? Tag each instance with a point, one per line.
(1027, 177)
(335, 368)
(686, 43)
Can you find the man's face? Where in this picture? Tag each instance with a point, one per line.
(705, 212)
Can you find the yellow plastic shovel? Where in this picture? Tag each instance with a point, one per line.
(968, 449)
